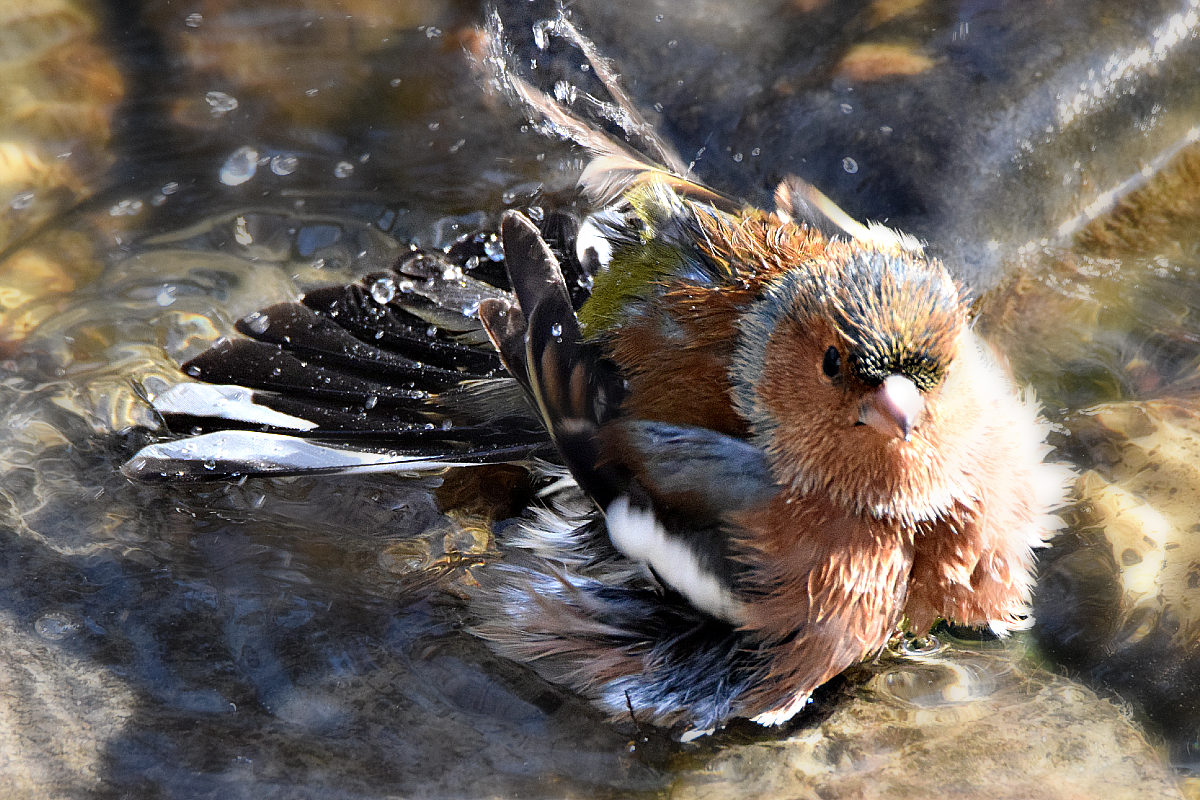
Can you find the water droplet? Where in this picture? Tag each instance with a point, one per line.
(536, 213)
(431, 331)
(169, 188)
(658, 17)
(257, 322)
(383, 290)
(556, 330)
(658, 107)
(452, 272)
(432, 32)
(542, 31)
(165, 296)
(241, 233)
(447, 424)
(240, 166)
(673, 43)
(343, 169)
(472, 262)
(194, 371)
(371, 402)
(886, 130)
(846, 108)
(194, 20)
(756, 152)
(433, 126)
(56, 626)
(220, 103)
(470, 309)
(565, 92)
(209, 464)
(284, 164)
(394, 82)
(850, 165)
(126, 208)
(454, 148)
(21, 201)
(493, 249)
(737, 158)
(406, 286)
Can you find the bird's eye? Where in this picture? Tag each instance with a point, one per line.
(832, 364)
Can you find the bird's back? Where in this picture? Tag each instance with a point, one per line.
(666, 304)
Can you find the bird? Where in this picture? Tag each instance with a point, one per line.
(782, 441)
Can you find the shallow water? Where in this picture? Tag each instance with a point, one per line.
(300, 637)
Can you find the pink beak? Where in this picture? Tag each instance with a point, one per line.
(893, 409)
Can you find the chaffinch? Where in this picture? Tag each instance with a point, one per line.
(794, 442)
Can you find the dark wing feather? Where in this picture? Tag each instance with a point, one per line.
(391, 372)
(692, 479)
(573, 387)
(685, 467)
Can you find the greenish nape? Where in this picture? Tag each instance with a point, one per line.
(632, 275)
(641, 258)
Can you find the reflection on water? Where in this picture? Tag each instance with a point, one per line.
(933, 674)
(301, 636)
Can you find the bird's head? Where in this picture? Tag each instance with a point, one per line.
(846, 370)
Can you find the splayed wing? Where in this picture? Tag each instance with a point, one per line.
(615, 167)
(622, 112)
(232, 454)
(393, 372)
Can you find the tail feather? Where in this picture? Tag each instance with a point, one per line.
(798, 200)
(620, 644)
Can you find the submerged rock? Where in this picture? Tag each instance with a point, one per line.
(1033, 736)
(60, 87)
(1107, 332)
(1143, 494)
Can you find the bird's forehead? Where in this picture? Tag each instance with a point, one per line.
(894, 313)
(897, 313)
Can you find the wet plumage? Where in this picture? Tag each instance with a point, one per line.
(811, 446)
(791, 443)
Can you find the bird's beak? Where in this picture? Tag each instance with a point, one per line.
(894, 408)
